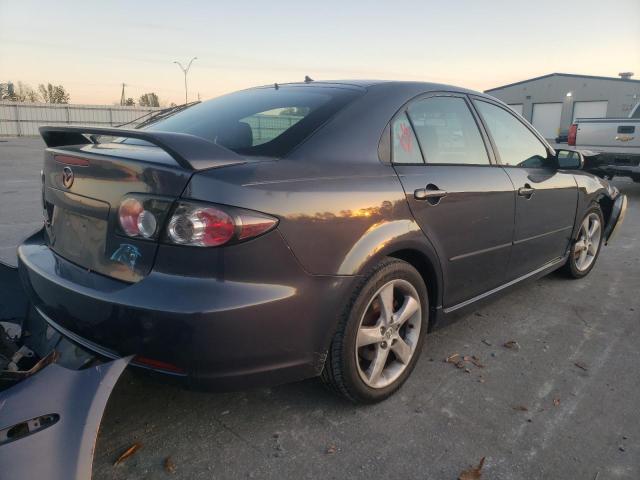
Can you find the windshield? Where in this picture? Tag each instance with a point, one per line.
(266, 121)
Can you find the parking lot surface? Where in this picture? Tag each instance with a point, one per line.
(561, 402)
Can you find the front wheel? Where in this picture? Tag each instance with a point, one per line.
(586, 246)
(379, 338)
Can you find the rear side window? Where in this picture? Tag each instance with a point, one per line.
(516, 144)
(447, 131)
(261, 121)
(405, 148)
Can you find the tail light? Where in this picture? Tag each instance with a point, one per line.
(142, 216)
(190, 223)
(203, 225)
(573, 132)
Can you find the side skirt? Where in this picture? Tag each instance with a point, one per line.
(445, 316)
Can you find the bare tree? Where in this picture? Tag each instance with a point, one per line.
(129, 102)
(53, 93)
(20, 92)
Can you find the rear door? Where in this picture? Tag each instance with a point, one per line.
(546, 198)
(463, 203)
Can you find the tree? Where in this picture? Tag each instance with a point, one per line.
(149, 100)
(18, 93)
(53, 93)
(129, 102)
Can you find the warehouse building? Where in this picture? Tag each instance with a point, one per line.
(552, 102)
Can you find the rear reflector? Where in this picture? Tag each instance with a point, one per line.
(157, 365)
(68, 160)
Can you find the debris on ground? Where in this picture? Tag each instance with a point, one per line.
(169, 465)
(331, 449)
(512, 344)
(473, 473)
(521, 408)
(556, 402)
(127, 453)
(462, 362)
(452, 358)
(487, 342)
(581, 366)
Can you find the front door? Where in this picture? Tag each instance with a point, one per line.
(463, 203)
(546, 198)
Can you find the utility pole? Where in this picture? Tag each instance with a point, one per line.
(123, 100)
(185, 71)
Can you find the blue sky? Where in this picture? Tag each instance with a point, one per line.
(92, 47)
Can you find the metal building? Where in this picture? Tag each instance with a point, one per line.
(552, 102)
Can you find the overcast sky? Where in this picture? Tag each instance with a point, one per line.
(92, 47)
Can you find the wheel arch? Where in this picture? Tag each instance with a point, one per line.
(429, 273)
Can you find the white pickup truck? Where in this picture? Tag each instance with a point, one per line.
(611, 145)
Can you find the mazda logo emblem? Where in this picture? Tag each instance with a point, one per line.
(67, 177)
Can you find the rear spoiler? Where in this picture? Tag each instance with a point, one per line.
(189, 151)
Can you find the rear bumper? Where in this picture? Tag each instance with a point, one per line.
(218, 334)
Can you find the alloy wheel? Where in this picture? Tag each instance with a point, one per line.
(586, 247)
(388, 333)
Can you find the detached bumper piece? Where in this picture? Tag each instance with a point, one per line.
(49, 422)
(52, 396)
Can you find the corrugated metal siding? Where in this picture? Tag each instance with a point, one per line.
(23, 119)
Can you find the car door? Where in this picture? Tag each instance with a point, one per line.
(546, 197)
(463, 203)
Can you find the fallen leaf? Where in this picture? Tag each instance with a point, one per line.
(473, 473)
(452, 358)
(476, 362)
(556, 402)
(512, 344)
(331, 449)
(127, 453)
(521, 408)
(169, 465)
(581, 366)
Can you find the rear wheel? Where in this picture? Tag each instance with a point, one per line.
(587, 244)
(379, 339)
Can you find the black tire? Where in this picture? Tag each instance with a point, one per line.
(341, 369)
(570, 268)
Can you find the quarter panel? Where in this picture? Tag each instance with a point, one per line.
(329, 220)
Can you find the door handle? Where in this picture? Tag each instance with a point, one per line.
(526, 191)
(433, 195)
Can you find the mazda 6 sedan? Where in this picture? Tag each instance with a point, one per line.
(306, 229)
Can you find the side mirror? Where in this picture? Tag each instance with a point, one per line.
(569, 159)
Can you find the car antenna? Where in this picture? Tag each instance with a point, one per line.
(308, 79)
(276, 86)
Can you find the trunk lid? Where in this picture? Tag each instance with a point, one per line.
(83, 186)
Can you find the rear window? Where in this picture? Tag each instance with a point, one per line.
(261, 121)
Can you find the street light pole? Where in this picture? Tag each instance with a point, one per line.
(185, 71)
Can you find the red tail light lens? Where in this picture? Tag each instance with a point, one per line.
(573, 132)
(202, 225)
(128, 214)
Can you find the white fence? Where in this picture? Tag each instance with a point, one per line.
(23, 119)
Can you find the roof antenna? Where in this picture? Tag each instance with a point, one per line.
(308, 79)
(276, 86)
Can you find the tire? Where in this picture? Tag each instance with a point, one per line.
(575, 267)
(374, 371)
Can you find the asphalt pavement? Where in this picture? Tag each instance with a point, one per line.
(560, 401)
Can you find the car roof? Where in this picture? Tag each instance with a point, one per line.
(397, 85)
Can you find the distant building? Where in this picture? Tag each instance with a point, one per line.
(552, 102)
